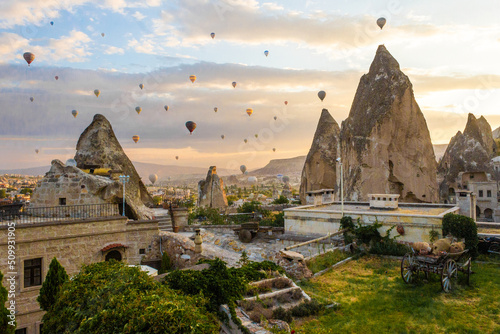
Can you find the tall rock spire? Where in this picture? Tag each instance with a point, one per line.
(386, 145)
(319, 170)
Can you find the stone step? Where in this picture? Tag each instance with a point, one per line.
(165, 224)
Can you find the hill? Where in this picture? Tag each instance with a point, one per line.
(291, 166)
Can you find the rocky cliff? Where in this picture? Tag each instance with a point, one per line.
(211, 191)
(319, 171)
(470, 151)
(496, 133)
(386, 145)
(99, 147)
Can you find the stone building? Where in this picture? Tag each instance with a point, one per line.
(73, 242)
(486, 192)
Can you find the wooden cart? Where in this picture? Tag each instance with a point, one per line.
(447, 266)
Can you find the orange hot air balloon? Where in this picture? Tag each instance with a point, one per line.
(74, 113)
(249, 111)
(190, 125)
(97, 92)
(286, 103)
(29, 57)
(215, 109)
(135, 138)
(234, 84)
(138, 109)
(141, 86)
(192, 78)
(176, 157)
(57, 78)
(166, 108)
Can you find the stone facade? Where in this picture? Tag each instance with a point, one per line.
(73, 243)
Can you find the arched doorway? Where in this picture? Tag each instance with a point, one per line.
(114, 255)
(478, 212)
(488, 214)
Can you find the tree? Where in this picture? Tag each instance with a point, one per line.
(25, 191)
(5, 327)
(3, 193)
(51, 285)
(281, 200)
(110, 297)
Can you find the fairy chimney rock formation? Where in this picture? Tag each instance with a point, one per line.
(211, 191)
(319, 170)
(386, 145)
(470, 151)
(99, 148)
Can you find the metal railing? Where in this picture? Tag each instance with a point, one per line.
(30, 215)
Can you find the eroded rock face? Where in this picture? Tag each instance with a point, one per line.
(98, 146)
(470, 151)
(319, 170)
(386, 145)
(211, 191)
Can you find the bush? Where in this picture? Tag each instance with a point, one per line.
(347, 223)
(249, 207)
(5, 327)
(389, 246)
(281, 314)
(307, 308)
(277, 220)
(55, 278)
(166, 264)
(110, 297)
(462, 227)
(207, 215)
(157, 200)
(281, 200)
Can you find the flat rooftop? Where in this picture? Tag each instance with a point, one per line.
(416, 209)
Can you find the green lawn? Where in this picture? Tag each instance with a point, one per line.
(374, 299)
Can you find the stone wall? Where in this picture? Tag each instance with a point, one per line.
(73, 243)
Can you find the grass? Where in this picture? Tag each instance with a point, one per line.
(374, 299)
(326, 260)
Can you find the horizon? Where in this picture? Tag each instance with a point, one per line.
(312, 46)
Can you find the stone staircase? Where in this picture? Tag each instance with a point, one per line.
(165, 223)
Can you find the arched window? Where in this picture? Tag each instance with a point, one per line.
(114, 255)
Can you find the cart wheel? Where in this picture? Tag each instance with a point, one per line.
(449, 275)
(408, 272)
(468, 270)
(495, 247)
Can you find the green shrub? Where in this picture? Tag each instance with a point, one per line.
(110, 297)
(462, 227)
(347, 223)
(207, 216)
(368, 233)
(281, 200)
(5, 327)
(276, 220)
(281, 314)
(249, 207)
(389, 246)
(166, 264)
(55, 278)
(307, 309)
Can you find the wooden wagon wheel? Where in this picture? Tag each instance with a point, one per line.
(408, 268)
(449, 275)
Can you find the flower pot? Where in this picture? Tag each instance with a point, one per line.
(180, 217)
(176, 229)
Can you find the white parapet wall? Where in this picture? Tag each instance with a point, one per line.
(417, 220)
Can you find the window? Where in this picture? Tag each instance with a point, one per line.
(488, 193)
(62, 201)
(472, 176)
(142, 251)
(20, 331)
(480, 193)
(32, 272)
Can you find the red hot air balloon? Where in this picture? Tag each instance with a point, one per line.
(57, 78)
(286, 103)
(190, 125)
(29, 57)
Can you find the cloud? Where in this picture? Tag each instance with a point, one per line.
(114, 50)
(139, 16)
(11, 46)
(72, 48)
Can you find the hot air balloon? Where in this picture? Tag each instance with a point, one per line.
(135, 138)
(215, 109)
(192, 78)
(213, 35)
(222, 136)
(285, 179)
(243, 169)
(381, 22)
(74, 113)
(71, 162)
(31, 99)
(266, 53)
(249, 111)
(234, 84)
(97, 92)
(153, 178)
(256, 135)
(275, 118)
(29, 57)
(57, 78)
(102, 34)
(245, 140)
(141, 86)
(176, 157)
(190, 125)
(138, 109)
(166, 108)
(321, 95)
(37, 150)
(286, 103)
(274, 150)
(51, 23)
(252, 179)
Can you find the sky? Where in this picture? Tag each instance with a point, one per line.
(449, 50)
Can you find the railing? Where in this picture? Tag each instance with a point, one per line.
(31, 215)
(315, 247)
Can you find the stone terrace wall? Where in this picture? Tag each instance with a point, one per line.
(73, 243)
